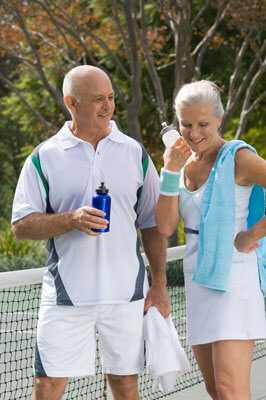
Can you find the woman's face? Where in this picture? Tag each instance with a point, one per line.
(198, 125)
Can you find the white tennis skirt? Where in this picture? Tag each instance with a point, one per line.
(237, 314)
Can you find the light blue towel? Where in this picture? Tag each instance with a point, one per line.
(217, 222)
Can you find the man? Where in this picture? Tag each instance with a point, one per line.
(92, 280)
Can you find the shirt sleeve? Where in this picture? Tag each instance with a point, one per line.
(30, 195)
(148, 197)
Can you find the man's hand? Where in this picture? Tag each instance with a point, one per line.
(154, 244)
(39, 226)
(159, 298)
(245, 243)
(86, 218)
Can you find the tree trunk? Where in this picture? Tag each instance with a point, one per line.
(134, 129)
(182, 30)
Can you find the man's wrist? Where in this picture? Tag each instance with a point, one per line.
(71, 220)
(159, 284)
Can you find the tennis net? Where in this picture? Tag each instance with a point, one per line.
(20, 293)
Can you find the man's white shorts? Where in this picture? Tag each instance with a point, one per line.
(66, 340)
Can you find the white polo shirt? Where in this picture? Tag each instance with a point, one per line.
(62, 174)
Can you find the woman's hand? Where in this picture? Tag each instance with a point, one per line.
(176, 156)
(245, 243)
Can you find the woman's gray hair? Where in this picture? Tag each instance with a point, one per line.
(204, 90)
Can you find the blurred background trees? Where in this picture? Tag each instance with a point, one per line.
(149, 48)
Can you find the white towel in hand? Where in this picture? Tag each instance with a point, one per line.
(165, 357)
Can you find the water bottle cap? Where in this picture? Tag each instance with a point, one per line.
(166, 128)
(102, 189)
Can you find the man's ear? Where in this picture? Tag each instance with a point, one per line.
(70, 103)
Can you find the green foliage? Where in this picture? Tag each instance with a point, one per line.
(256, 137)
(6, 199)
(181, 233)
(20, 132)
(231, 129)
(256, 130)
(16, 112)
(17, 263)
(10, 247)
(255, 134)
(25, 152)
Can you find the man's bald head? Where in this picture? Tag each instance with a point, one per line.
(80, 79)
(89, 96)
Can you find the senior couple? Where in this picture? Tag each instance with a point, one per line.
(97, 281)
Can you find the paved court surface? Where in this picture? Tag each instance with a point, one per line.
(258, 385)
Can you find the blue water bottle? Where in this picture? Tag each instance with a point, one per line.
(102, 201)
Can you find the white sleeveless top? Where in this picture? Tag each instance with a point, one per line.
(190, 213)
(239, 312)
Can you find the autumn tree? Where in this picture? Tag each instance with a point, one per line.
(149, 48)
(141, 45)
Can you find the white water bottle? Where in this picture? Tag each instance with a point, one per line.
(169, 135)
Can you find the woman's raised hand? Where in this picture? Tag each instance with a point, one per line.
(176, 156)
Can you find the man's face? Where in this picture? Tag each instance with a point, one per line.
(96, 105)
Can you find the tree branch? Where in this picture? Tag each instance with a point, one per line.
(57, 96)
(46, 123)
(119, 25)
(81, 41)
(15, 56)
(201, 11)
(256, 102)
(235, 95)
(97, 40)
(48, 11)
(142, 33)
(179, 23)
(245, 109)
(202, 46)
(235, 73)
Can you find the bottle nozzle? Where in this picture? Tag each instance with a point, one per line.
(102, 189)
(165, 127)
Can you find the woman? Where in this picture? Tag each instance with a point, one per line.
(225, 304)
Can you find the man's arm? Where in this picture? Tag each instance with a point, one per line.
(154, 245)
(38, 226)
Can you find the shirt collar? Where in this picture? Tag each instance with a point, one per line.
(68, 139)
(116, 135)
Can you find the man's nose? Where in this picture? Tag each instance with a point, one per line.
(107, 103)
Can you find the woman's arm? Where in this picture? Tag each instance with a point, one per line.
(247, 241)
(167, 209)
(250, 169)
(167, 214)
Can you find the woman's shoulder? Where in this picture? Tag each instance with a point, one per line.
(244, 155)
(240, 150)
(250, 168)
